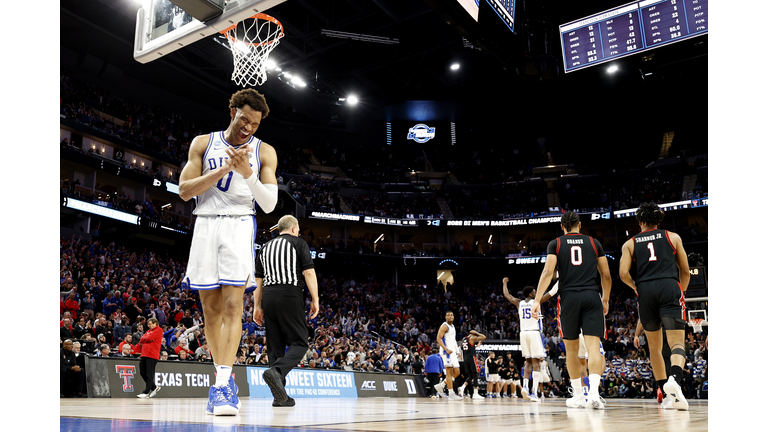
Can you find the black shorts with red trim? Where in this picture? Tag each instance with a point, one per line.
(660, 298)
(469, 368)
(580, 312)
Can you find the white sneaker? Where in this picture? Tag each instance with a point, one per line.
(594, 401)
(668, 403)
(154, 392)
(578, 401)
(524, 392)
(672, 388)
(141, 395)
(454, 396)
(534, 398)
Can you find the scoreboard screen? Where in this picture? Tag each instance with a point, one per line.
(631, 28)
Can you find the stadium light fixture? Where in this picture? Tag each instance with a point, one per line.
(352, 100)
(455, 66)
(612, 68)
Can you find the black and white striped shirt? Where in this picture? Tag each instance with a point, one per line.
(282, 260)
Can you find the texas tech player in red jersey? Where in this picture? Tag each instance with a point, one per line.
(661, 280)
(582, 264)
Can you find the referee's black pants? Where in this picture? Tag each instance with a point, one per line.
(286, 326)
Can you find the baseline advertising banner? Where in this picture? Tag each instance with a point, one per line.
(177, 379)
(388, 385)
(305, 383)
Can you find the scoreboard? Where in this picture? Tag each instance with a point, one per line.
(629, 29)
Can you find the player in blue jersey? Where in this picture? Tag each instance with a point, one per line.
(229, 173)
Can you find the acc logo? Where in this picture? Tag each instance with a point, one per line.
(156, 182)
(596, 216)
(421, 133)
(433, 222)
(368, 385)
(126, 373)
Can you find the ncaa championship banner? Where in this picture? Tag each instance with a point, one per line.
(305, 383)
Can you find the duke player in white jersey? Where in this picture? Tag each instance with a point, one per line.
(229, 173)
(449, 351)
(530, 336)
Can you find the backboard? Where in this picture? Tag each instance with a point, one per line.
(162, 27)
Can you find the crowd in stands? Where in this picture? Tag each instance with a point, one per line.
(505, 194)
(151, 127)
(366, 323)
(125, 203)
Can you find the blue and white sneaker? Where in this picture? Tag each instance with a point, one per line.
(219, 402)
(234, 389)
(533, 397)
(525, 393)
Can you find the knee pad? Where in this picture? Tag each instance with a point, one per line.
(670, 323)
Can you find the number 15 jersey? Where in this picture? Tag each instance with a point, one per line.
(527, 321)
(577, 256)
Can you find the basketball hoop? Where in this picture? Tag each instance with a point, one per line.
(251, 45)
(697, 324)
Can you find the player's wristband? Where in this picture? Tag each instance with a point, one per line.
(553, 291)
(264, 194)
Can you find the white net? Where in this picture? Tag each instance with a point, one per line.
(251, 41)
(697, 325)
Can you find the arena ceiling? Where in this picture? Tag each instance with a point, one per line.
(522, 69)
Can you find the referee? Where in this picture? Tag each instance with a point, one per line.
(280, 285)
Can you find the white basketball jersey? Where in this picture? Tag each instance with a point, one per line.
(449, 338)
(231, 195)
(527, 322)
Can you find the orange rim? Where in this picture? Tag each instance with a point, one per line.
(261, 16)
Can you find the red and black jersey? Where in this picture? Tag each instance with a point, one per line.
(655, 256)
(577, 256)
(467, 349)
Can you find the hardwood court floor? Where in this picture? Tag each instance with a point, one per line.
(378, 414)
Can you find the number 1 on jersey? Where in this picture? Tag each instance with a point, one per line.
(653, 252)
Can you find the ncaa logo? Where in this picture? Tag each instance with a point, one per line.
(421, 133)
(126, 373)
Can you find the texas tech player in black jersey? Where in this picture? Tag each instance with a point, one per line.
(582, 266)
(661, 280)
(468, 363)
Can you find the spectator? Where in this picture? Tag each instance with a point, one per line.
(72, 376)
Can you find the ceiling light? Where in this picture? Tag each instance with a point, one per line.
(455, 66)
(270, 64)
(612, 68)
(298, 82)
(352, 100)
(288, 75)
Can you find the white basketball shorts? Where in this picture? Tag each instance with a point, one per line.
(583, 348)
(492, 378)
(531, 344)
(222, 252)
(544, 370)
(450, 361)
